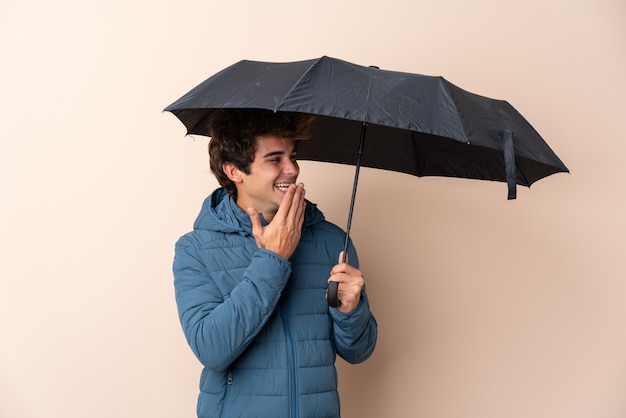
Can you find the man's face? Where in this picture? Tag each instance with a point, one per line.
(272, 171)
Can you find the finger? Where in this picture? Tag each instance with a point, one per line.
(257, 227)
(285, 204)
(345, 268)
(296, 209)
(301, 207)
(342, 265)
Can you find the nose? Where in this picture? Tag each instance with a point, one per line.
(291, 167)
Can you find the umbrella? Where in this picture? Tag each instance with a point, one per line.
(411, 123)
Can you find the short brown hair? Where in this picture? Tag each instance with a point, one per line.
(233, 137)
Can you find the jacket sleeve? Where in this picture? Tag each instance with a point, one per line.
(356, 332)
(217, 328)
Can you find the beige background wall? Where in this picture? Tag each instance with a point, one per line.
(487, 308)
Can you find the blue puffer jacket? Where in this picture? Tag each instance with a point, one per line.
(259, 323)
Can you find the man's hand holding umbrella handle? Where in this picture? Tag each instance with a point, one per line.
(350, 282)
(283, 232)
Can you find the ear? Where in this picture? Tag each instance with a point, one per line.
(232, 172)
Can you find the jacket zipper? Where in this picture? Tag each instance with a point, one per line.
(229, 382)
(291, 354)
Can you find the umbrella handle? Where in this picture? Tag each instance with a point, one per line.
(331, 292)
(331, 295)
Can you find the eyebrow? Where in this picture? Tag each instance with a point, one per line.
(273, 153)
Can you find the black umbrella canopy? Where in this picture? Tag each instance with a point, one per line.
(417, 124)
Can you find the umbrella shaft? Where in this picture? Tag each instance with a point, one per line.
(354, 186)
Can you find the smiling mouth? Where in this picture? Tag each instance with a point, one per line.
(282, 186)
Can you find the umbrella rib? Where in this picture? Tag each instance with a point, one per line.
(457, 113)
(367, 101)
(297, 83)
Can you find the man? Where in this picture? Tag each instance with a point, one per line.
(250, 280)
